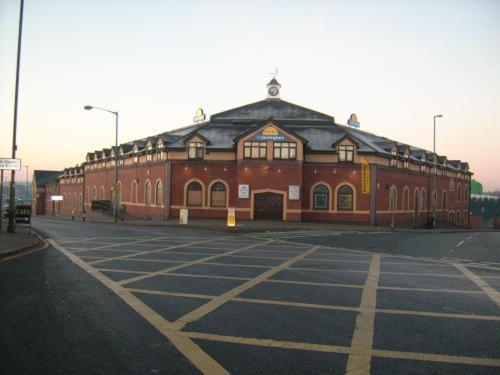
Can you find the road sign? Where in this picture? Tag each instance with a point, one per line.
(10, 164)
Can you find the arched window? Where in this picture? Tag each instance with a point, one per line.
(320, 197)
(87, 195)
(422, 200)
(218, 195)
(158, 193)
(393, 198)
(133, 192)
(74, 200)
(444, 200)
(344, 198)
(459, 197)
(458, 217)
(406, 199)
(416, 203)
(94, 193)
(147, 192)
(102, 195)
(194, 194)
(466, 194)
(80, 202)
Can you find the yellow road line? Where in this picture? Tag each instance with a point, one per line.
(156, 250)
(222, 299)
(177, 267)
(483, 285)
(361, 345)
(187, 347)
(437, 358)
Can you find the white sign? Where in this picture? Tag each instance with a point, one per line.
(243, 191)
(183, 216)
(294, 192)
(11, 164)
(56, 198)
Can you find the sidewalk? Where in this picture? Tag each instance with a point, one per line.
(261, 226)
(22, 240)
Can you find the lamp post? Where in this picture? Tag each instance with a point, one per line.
(115, 189)
(27, 169)
(434, 192)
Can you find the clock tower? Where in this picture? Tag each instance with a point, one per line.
(273, 89)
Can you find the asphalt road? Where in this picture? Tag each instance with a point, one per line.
(105, 299)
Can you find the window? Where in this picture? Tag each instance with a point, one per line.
(320, 197)
(393, 161)
(344, 198)
(87, 194)
(147, 193)
(285, 150)
(466, 193)
(459, 193)
(406, 199)
(80, 203)
(218, 195)
(422, 200)
(444, 200)
(255, 150)
(102, 194)
(406, 162)
(158, 193)
(194, 194)
(452, 184)
(149, 157)
(94, 193)
(346, 154)
(133, 192)
(195, 150)
(136, 159)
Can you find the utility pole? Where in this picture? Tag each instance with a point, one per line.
(1, 199)
(12, 219)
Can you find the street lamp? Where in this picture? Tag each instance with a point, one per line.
(434, 192)
(115, 203)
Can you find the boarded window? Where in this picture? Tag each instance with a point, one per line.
(194, 194)
(218, 195)
(158, 193)
(147, 193)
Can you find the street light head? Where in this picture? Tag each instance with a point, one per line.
(438, 116)
(88, 107)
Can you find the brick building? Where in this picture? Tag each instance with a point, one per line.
(272, 160)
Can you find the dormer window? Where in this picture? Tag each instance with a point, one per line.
(149, 157)
(255, 150)
(406, 162)
(195, 150)
(136, 159)
(393, 161)
(285, 150)
(346, 154)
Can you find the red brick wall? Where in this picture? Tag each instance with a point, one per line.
(71, 198)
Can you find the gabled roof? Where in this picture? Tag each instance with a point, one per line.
(280, 110)
(266, 123)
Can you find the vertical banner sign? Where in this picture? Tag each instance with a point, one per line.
(365, 176)
(231, 217)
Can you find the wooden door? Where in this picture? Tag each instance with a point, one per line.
(268, 206)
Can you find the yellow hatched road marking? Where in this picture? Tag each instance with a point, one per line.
(184, 344)
(362, 340)
(483, 285)
(173, 268)
(222, 299)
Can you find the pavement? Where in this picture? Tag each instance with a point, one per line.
(127, 299)
(19, 242)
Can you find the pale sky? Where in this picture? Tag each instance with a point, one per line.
(393, 63)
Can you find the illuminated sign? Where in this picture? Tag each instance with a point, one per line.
(56, 198)
(270, 134)
(199, 116)
(231, 217)
(243, 191)
(353, 121)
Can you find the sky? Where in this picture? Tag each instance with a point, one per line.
(394, 63)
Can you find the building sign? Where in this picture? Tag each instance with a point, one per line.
(243, 191)
(294, 192)
(270, 133)
(10, 164)
(365, 176)
(199, 116)
(353, 121)
(56, 198)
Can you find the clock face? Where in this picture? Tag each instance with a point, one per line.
(273, 91)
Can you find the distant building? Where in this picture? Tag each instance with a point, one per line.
(42, 186)
(272, 160)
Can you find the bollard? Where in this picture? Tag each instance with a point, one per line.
(73, 215)
(83, 217)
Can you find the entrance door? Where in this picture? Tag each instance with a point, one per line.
(268, 206)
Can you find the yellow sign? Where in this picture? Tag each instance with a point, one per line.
(199, 112)
(231, 217)
(365, 176)
(270, 131)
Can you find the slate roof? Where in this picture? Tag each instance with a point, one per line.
(320, 131)
(43, 177)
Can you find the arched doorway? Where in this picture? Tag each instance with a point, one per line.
(268, 206)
